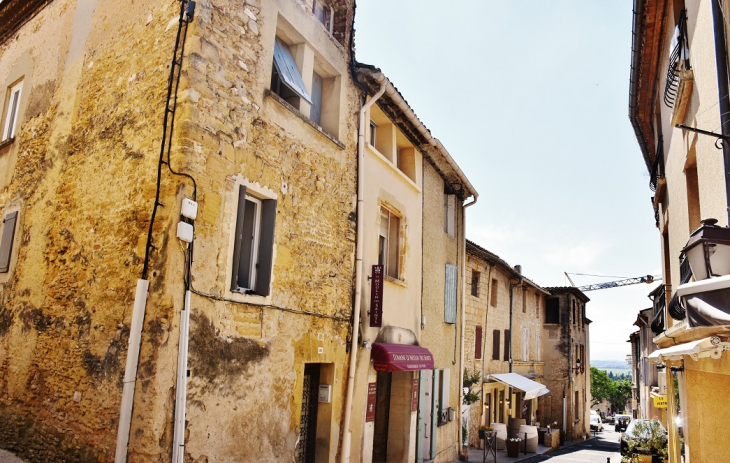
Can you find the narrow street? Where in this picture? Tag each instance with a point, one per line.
(601, 449)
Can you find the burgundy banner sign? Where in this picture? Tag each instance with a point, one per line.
(414, 403)
(399, 357)
(376, 296)
(372, 396)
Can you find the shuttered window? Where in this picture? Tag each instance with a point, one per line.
(525, 344)
(506, 344)
(6, 246)
(493, 293)
(475, 283)
(450, 294)
(478, 343)
(445, 387)
(552, 310)
(286, 75)
(253, 244)
(495, 345)
(537, 344)
(316, 112)
(11, 110)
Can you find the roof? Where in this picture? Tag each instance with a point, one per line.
(397, 109)
(570, 290)
(15, 13)
(646, 48)
(488, 256)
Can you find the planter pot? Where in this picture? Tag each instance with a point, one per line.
(513, 448)
(482, 434)
(644, 458)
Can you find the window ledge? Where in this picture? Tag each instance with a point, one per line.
(6, 142)
(303, 118)
(395, 281)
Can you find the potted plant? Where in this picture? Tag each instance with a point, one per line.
(648, 441)
(485, 431)
(513, 446)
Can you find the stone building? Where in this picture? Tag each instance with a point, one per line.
(407, 375)
(265, 125)
(648, 381)
(498, 348)
(567, 365)
(679, 107)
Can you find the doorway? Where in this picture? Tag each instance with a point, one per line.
(382, 417)
(308, 421)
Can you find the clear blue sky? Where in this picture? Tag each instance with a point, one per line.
(531, 99)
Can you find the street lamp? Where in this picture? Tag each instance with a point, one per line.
(708, 250)
(577, 366)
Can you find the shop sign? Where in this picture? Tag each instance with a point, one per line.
(376, 296)
(372, 397)
(660, 401)
(414, 403)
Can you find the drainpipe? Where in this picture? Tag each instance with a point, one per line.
(722, 88)
(518, 269)
(463, 314)
(346, 437)
(130, 371)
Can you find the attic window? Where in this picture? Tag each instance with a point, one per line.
(286, 80)
(323, 12)
(678, 59)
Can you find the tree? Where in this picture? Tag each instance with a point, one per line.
(470, 380)
(601, 386)
(620, 394)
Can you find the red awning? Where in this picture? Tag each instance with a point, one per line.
(399, 357)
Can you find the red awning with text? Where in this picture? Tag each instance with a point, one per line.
(399, 357)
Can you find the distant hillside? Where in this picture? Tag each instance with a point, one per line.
(610, 364)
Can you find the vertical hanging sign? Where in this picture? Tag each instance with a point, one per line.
(414, 400)
(372, 397)
(376, 296)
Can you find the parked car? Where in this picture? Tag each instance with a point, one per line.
(609, 419)
(621, 422)
(596, 424)
(631, 433)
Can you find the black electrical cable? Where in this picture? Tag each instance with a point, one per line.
(167, 138)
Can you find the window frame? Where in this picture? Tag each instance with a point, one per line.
(494, 293)
(496, 344)
(384, 257)
(552, 314)
(11, 110)
(373, 133)
(475, 275)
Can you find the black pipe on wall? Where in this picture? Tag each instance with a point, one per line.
(722, 87)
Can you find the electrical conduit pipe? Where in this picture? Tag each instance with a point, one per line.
(346, 437)
(181, 386)
(130, 371)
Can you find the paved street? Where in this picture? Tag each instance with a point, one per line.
(602, 449)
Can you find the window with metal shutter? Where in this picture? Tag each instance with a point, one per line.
(288, 71)
(450, 294)
(478, 343)
(506, 345)
(495, 345)
(6, 246)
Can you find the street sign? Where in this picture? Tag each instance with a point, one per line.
(660, 401)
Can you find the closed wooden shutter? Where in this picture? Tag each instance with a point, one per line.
(6, 246)
(493, 293)
(506, 345)
(266, 247)
(450, 294)
(495, 345)
(478, 343)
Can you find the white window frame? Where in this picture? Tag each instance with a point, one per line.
(386, 259)
(256, 241)
(11, 110)
(373, 133)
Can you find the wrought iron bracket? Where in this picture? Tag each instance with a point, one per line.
(719, 136)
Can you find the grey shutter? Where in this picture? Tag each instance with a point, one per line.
(450, 294)
(238, 237)
(266, 247)
(316, 113)
(288, 71)
(6, 246)
(435, 407)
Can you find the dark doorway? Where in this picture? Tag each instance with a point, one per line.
(382, 417)
(308, 421)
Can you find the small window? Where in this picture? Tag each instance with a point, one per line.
(11, 110)
(552, 310)
(449, 214)
(286, 80)
(493, 293)
(524, 300)
(537, 305)
(495, 345)
(388, 251)
(373, 133)
(475, 283)
(323, 12)
(507, 345)
(254, 243)
(574, 320)
(6, 245)
(478, 343)
(315, 113)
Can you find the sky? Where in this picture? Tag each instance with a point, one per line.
(531, 100)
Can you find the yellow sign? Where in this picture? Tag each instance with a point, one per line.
(660, 401)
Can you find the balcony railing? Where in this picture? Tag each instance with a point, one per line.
(658, 322)
(657, 170)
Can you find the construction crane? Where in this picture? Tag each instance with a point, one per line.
(648, 279)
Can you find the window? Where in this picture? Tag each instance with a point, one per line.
(323, 12)
(450, 294)
(388, 242)
(525, 344)
(507, 346)
(444, 384)
(373, 132)
(478, 343)
(493, 293)
(495, 345)
(524, 300)
(537, 305)
(552, 310)
(573, 320)
(449, 214)
(6, 245)
(475, 283)
(253, 244)
(286, 80)
(577, 405)
(678, 59)
(315, 114)
(537, 344)
(11, 110)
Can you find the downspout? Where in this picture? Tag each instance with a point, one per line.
(484, 344)
(463, 313)
(346, 437)
(518, 268)
(722, 88)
